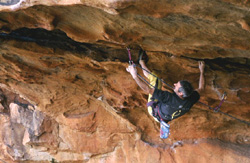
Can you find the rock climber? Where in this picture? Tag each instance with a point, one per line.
(165, 106)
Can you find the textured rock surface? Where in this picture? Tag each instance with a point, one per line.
(65, 94)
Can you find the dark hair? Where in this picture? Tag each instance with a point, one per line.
(186, 88)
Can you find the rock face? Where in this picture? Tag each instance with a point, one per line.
(66, 96)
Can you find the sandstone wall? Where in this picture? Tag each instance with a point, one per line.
(66, 96)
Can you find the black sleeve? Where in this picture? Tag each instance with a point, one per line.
(196, 96)
(162, 96)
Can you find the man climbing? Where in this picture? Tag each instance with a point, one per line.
(165, 106)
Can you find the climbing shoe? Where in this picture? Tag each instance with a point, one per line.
(143, 56)
(164, 130)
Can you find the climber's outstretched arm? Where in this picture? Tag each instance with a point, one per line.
(133, 71)
(145, 69)
(202, 80)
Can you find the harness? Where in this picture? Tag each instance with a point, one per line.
(156, 112)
